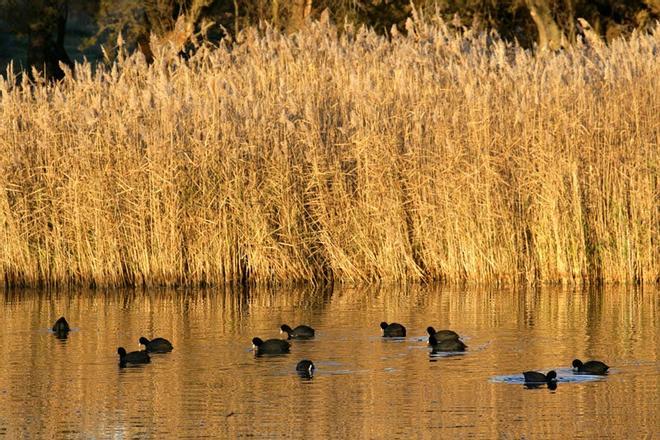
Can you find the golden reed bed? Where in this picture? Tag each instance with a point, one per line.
(338, 157)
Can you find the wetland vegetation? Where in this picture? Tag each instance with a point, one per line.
(375, 185)
(337, 157)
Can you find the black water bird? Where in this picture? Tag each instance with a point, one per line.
(270, 346)
(534, 377)
(393, 330)
(300, 332)
(442, 335)
(305, 368)
(591, 367)
(156, 345)
(446, 345)
(61, 328)
(134, 357)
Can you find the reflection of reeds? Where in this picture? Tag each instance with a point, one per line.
(350, 158)
(212, 374)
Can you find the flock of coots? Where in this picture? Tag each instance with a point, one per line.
(534, 378)
(439, 341)
(157, 345)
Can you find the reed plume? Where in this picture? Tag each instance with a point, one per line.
(337, 156)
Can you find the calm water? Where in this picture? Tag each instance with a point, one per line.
(211, 385)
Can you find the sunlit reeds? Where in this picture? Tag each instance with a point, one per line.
(344, 157)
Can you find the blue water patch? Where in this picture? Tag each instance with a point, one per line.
(446, 354)
(480, 347)
(564, 375)
(328, 363)
(334, 368)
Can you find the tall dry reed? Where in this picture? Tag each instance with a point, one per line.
(342, 157)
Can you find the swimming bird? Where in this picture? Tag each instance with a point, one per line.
(134, 357)
(270, 346)
(305, 368)
(393, 330)
(536, 377)
(300, 332)
(446, 345)
(592, 367)
(442, 334)
(156, 345)
(61, 326)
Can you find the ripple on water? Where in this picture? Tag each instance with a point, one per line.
(212, 385)
(322, 368)
(564, 375)
(446, 354)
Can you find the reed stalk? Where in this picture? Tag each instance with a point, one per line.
(343, 157)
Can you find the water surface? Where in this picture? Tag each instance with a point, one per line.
(213, 386)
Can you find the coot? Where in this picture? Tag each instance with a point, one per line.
(270, 346)
(156, 345)
(300, 332)
(393, 330)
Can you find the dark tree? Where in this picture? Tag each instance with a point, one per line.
(44, 24)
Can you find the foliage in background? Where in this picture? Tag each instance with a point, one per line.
(44, 24)
(136, 20)
(550, 23)
(338, 157)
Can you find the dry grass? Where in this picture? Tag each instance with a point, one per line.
(287, 159)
